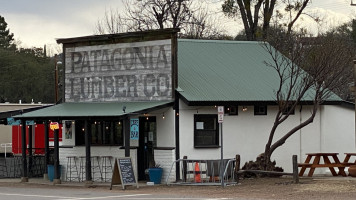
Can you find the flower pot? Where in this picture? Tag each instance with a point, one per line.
(155, 175)
(352, 170)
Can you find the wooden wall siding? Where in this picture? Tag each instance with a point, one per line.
(139, 71)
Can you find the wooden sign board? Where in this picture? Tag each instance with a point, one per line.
(133, 71)
(126, 173)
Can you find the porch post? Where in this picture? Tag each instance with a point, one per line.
(46, 144)
(30, 149)
(88, 177)
(176, 125)
(56, 179)
(24, 177)
(127, 136)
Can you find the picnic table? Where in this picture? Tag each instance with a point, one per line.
(327, 158)
(346, 162)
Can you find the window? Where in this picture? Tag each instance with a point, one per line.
(289, 110)
(231, 110)
(102, 133)
(260, 110)
(206, 132)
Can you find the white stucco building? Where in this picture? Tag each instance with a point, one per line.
(173, 87)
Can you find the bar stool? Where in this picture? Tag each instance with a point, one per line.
(82, 160)
(106, 167)
(72, 170)
(95, 168)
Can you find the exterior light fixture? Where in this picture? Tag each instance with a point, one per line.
(244, 108)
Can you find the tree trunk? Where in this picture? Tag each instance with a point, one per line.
(270, 148)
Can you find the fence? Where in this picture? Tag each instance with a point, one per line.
(11, 167)
(207, 172)
(6, 146)
(204, 172)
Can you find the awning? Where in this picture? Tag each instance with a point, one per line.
(93, 110)
(11, 113)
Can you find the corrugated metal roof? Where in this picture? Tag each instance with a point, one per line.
(73, 110)
(216, 70)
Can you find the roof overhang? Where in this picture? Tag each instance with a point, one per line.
(73, 111)
(254, 102)
(12, 113)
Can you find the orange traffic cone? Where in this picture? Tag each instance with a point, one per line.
(197, 178)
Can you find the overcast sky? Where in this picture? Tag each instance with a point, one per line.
(39, 22)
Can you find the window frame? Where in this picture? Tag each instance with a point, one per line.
(287, 110)
(100, 140)
(257, 110)
(196, 131)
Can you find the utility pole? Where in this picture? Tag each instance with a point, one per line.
(57, 61)
(55, 79)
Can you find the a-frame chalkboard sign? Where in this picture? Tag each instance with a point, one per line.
(123, 173)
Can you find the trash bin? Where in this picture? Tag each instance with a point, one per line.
(51, 172)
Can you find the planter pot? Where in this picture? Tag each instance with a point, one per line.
(352, 170)
(155, 175)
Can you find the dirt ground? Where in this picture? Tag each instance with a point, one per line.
(325, 188)
(274, 188)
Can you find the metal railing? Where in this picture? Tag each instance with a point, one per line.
(204, 172)
(11, 167)
(6, 145)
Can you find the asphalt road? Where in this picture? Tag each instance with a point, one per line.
(17, 193)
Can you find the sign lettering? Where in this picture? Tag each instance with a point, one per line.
(134, 129)
(137, 71)
(54, 125)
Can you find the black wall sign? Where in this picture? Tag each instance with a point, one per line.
(126, 172)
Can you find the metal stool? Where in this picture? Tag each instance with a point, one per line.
(72, 170)
(82, 160)
(95, 168)
(106, 167)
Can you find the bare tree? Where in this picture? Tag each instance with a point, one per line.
(204, 25)
(251, 11)
(112, 23)
(308, 72)
(194, 20)
(148, 14)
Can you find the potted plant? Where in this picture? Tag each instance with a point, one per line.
(155, 173)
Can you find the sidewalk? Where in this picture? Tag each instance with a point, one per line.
(41, 181)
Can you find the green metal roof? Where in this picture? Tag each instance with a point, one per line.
(81, 110)
(216, 70)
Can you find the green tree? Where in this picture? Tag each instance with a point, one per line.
(26, 75)
(6, 38)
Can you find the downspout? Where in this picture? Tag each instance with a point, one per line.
(300, 133)
(320, 131)
(24, 177)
